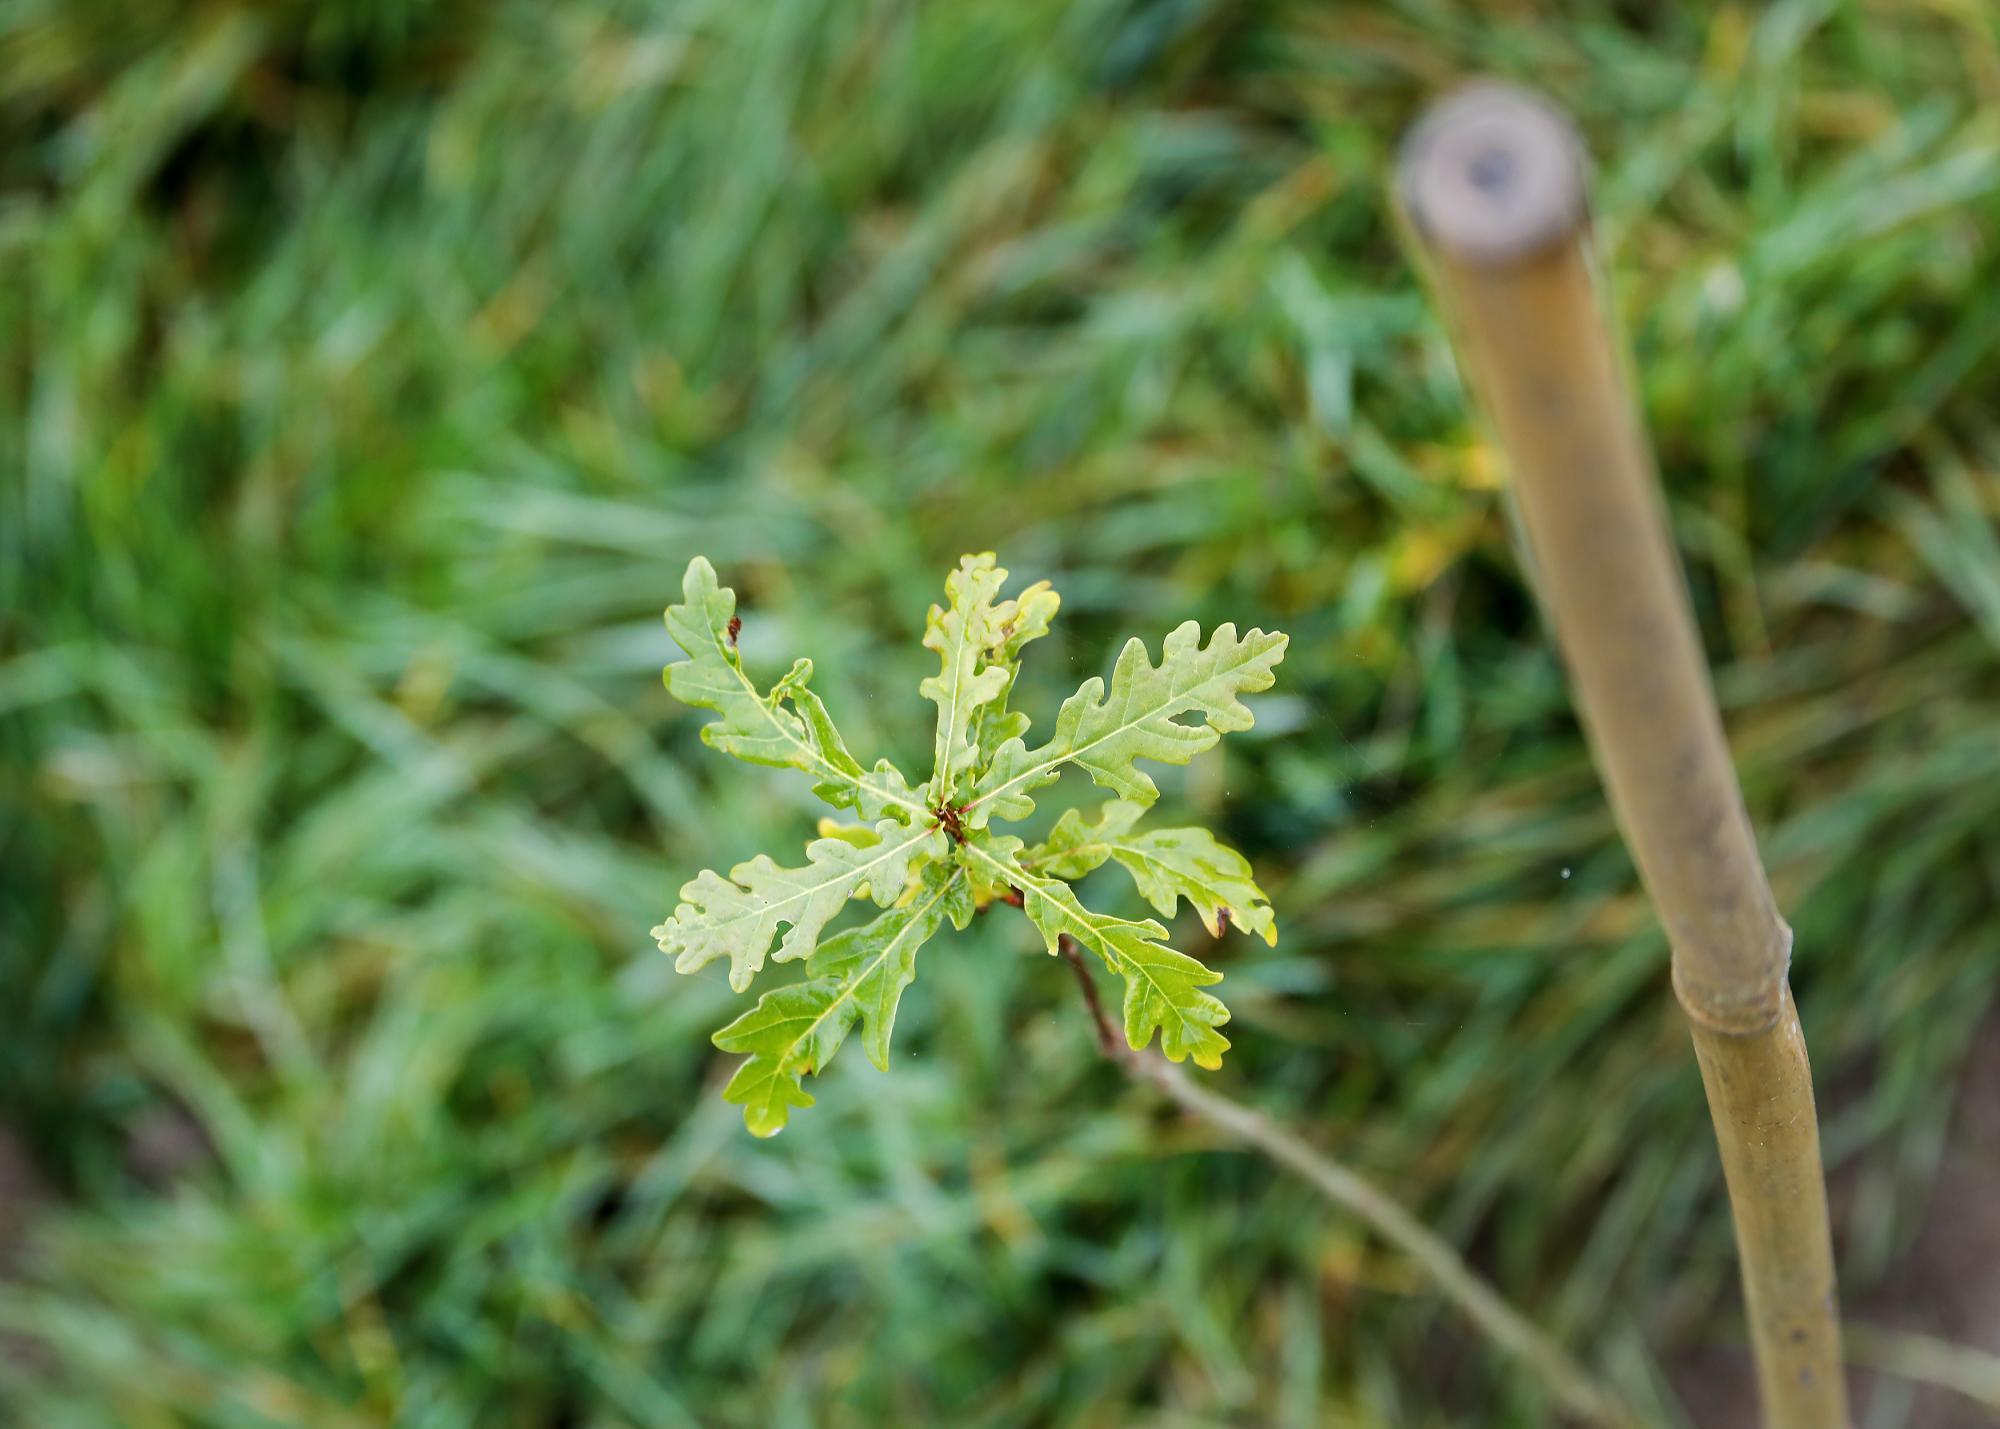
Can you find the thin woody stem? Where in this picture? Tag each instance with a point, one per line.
(1107, 1036)
(1567, 1381)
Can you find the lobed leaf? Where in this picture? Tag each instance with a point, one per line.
(1106, 734)
(1167, 865)
(962, 634)
(1017, 621)
(737, 917)
(858, 975)
(1163, 988)
(757, 727)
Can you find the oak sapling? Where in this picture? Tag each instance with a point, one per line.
(928, 854)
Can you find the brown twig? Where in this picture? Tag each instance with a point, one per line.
(1566, 1380)
(1107, 1035)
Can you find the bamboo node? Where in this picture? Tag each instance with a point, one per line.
(1737, 1011)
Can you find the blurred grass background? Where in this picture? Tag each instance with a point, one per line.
(372, 370)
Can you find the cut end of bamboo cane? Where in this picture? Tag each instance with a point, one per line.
(1493, 175)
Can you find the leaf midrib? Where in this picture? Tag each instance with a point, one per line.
(1071, 756)
(853, 873)
(771, 717)
(854, 982)
(1027, 883)
(941, 775)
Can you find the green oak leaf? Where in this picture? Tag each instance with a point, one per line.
(737, 917)
(858, 975)
(757, 727)
(1167, 864)
(1105, 733)
(961, 634)
(1017, 621)
(1163, 988)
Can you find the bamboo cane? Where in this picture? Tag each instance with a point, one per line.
(1493, 184)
